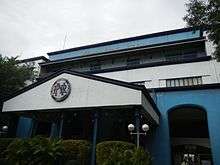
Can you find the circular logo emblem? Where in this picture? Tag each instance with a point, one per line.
(60, 90)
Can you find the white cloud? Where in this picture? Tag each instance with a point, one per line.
(33, 28)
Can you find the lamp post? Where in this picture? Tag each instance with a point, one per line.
(131, 128)
(4, 130)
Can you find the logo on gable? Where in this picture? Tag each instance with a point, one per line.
(60, 90)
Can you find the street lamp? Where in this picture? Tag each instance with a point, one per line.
(144, 127)
(131, 127)
(5, 128)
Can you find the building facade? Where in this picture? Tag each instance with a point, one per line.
(169, 80)
(33, 63)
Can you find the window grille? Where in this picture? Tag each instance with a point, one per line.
(188, 81)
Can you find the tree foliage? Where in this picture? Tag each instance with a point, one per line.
(12, 76)
(205, 14)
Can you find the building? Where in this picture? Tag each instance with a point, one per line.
(33, 63)
(168, 80)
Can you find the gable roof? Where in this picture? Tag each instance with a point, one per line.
(34, 59)
(93, 77)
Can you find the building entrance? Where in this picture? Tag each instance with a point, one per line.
(77, 125)
(191, 155)
(189, 136)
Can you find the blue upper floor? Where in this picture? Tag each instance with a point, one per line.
(128, 43)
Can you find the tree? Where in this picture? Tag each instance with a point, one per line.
(12, 76)
(205, 14)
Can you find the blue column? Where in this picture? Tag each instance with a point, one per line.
(213, 114)
(34, 127)
(161, 150)
(61, 126)
(54, 130)
(24, 128)
(95, 130)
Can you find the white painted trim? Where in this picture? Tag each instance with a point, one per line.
(150, 110)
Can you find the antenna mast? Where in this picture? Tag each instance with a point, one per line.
(64, 42)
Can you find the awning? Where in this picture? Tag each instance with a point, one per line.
(73, 90)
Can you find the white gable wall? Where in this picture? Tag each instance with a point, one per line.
(84, 93)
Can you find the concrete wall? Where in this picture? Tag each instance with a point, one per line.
(208, 99)
(156, 76)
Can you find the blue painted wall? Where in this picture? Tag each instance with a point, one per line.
(208, 99)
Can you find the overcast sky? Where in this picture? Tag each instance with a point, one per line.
(30, 28)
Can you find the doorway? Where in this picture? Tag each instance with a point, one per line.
(189, 136)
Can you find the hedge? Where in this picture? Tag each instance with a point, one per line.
(104, 149)
(4, 143)
(35, 151)
(43, 150)
(73, 152)
(77, 151)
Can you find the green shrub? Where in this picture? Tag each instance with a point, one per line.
(121, 153)
(77, 151)
(140, 157)
(4, 142)
(128, 157)
(18, 152)
(112, 149)
(4, 162)
(44, 151)
(35, 151)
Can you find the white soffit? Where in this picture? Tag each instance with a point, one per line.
(150, 110)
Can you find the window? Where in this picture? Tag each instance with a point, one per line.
(95, 66)
(133, 61)
(172, 54)
(188, 81)
(180, 54)
(190, 55)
